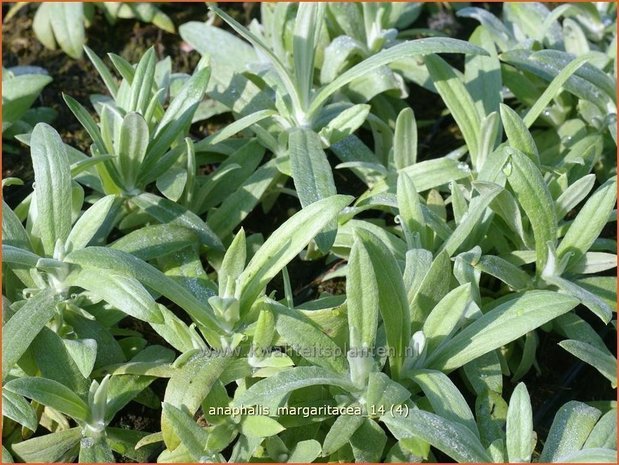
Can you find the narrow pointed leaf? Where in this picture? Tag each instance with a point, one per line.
(569, 431)
(50, 393)
(589, 222)
(519, 426)
(362, 298)
(312, 176)
(392, 300)
(284, 382)
(405, 139)
(457, 98)
(193, 436)
(604, 362)
(445, 398)
(451, 438)
(532, 193)
(123, 292)
(19, 332)
(285, 243)
(501, 325)
(52, 175)
(166, 211)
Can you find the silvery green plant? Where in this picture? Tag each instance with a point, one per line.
(64, 25)
(22, 86)
(92, 440)
(35, 257)
(504, 432)
(515, 177)
(51, 324)
(455, 265)
(566, 32)
(304, 119)
(137, 143)
(237, 309)
(353, 370)
(574, 28)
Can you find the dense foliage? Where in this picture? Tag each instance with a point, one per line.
(132, 275)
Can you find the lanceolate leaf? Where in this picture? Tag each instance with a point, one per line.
(132, 146)
(19, 332)
(312, 176)
(588, 82)
(67, 21)
(531, 192)
(519, 426)
(179, 114)
(87, 226)
(432, 288)
(458, 100)
(445, 398)
(282, 72)
(121, 291)
(483, 74)
(310, 17)
(19, 257)
(189, 387)
(604, 433)
(445, 316)
(13, 232)
(411, 211)
(193, 436)
(505, 271)
(158, 240)
(451, 438)
(120, 263)
(142, 83)
(569, 431)
(362, 298)
(83, 352)
(18, 409)
(368, 442)
(50, 393)
(341, 431)
(280, 385)
(52, 175)
(284, 244)
(104, 72)
(169, 212)
(345, 124)
(589, 299)
(304, 336)
(57, 447)
(405, 139)
(518, 134)
(590, 221)
(403, 50)
(501, 325)
(604, 362)
(233, 263)
(260, 426)
(392, 300)
(477, 208)
(237, 205)
(574, 194)
(428, 174)
(553, 88)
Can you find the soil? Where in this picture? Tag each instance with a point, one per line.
(562, 374)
